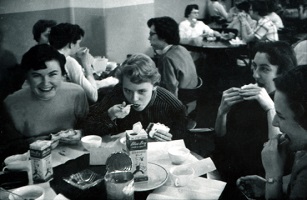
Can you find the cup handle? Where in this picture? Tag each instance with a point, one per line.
(177, 182)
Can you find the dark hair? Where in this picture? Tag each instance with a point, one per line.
(41, 26)
(65, 33)
(244, 5)
(166, 28)
(189, 9)
(139, 68)
(294, 86)
(261, 7)
(278, 53)
(36, 57)
(272, 4)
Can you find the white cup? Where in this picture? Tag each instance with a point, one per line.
(28, 192)
(181, 176)
(178, 154)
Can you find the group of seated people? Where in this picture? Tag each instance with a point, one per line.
(254, 20)
(251, 120)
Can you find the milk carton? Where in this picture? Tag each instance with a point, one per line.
(40, 154)
(137, 149)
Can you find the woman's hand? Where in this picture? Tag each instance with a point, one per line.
(119, 111)
(254, 92)
(252, 186)
(273, 158)
(230, 97)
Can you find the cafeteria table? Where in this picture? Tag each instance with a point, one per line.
(220, 62)
(71, 159)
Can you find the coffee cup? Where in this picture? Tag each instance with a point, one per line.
(181, 176)
(178, 154)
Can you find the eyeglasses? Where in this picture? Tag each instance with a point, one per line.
(195, 12)
(152, 34)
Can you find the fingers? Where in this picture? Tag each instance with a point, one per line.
(163, 136)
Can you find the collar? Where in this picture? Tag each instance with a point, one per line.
(166, 49)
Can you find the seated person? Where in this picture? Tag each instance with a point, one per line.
(175, 63)
(137, 98)
(243, 12)
(218, 11)
(300, 49)
(41, 30)
(48, 105)
(290, 104)
(265, 29)
(302, 11)
(66, 38)
(245, 114)
(275, 18)
(191, 28)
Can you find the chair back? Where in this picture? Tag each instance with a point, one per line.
(189, 95)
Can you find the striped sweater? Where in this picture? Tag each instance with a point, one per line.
(163, 107)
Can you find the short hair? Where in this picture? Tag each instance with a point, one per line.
(243, 5)
(166, 28)
(189, 9)
(36, 57)
(65, 33)
(41, 26)
(139, 68)
(278, 53)
(261, 7)
(272, 4)
(294, 86)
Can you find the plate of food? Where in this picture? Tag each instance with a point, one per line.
(227, 36)
(157, 176)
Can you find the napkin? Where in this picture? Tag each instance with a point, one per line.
(63, 153)
(198, 188)
(109, 145)
(158, 152)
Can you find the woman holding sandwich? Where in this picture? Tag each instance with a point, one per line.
(245, 115)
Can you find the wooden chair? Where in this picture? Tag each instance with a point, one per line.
(187, 96)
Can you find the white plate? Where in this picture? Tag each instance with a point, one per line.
(157, 176)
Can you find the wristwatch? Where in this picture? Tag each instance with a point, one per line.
(274, 180)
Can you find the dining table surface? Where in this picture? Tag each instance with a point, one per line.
(68, 159)
(206, 46)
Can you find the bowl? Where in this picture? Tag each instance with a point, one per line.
(91, 141)
(178, 154)
(28, 192)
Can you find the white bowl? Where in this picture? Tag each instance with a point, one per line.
(29, 192)
(178, 154)
(91, 141)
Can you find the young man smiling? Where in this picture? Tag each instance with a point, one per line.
(137, 98)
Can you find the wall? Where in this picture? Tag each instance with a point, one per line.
(175, 8)
(113, 28)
